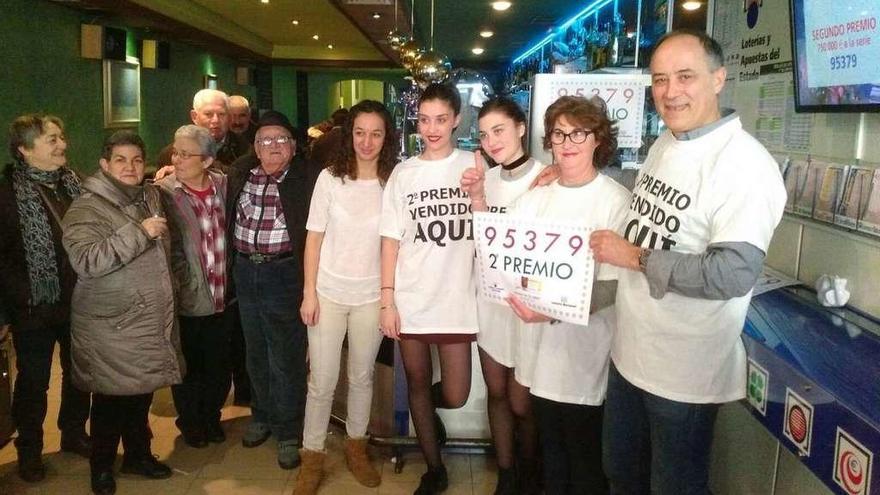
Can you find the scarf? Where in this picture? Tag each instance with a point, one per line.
(36, 233)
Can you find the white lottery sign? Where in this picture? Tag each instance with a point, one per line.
(624, 96)
(547, 264)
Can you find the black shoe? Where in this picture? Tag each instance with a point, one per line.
(506, 482)
(78, 443)
(439, 429)
(434, 481)
(103, 483)
(214, 434)
(147, 466)
(194, 438)
(31, 468)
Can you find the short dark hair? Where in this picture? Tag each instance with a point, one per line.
(122, 138)
(343, 163)
(338, 116)
(442, 92)
(714, 53)
(591, 115)
(505, 105)
(27, 128)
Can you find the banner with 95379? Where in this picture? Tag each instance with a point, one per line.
(546, 263)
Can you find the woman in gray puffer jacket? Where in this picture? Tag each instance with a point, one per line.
(124, 339)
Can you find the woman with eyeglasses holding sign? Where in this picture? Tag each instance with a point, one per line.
(566, 365)
(341, 289)
(427, 292)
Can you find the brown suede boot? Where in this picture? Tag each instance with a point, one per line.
(359, 463)
(310, 472)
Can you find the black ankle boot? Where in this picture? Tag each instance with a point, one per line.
(434, 481)
(103, 483)
(506, 482)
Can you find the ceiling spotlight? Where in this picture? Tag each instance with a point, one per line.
(295, 22)
(264, 1)
(691, 5)
(486, 33)
(501, 5)
(376, 15)
(316, 37)
(330, 46)
(477, 51)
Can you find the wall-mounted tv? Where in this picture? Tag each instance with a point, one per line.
(836, 50)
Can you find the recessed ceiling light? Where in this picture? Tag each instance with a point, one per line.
(501, 5)
(316, 37)
(264, 1)
(691, 5)
(477, 51)
(486, 34)
(330, 46)
(295, 22)
(376, 15)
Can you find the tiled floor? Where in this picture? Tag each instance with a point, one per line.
(229, 468)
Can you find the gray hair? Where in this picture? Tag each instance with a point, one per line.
(204, 96)
(240, 101)
(207, 145)
(711, 47)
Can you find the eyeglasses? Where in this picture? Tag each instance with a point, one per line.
(576, 136)
(184, 155)
(277, 140)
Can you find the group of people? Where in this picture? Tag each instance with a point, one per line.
(138, 281)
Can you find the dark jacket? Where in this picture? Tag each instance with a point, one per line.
(296, 195)
(195, 297)
(15, 290)
(124, 334)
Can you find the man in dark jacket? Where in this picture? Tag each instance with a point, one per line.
(267, 207)
(36, 283)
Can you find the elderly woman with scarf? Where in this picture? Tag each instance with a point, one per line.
(36, 283)
(125, 341)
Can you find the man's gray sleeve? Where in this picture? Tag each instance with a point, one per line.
(724, 271)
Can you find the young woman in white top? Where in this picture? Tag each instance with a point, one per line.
(502, 126)
(566, 365)
(427, 292)
(341, 292)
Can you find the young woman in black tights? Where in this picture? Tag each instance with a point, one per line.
(427, 291)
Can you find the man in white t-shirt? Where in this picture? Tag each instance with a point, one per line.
(701, 217)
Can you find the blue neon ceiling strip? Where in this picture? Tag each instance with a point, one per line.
(593, 7)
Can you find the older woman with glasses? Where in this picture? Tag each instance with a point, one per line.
(194, 197)
(567, 364)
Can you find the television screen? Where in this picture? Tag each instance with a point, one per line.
(836, 49)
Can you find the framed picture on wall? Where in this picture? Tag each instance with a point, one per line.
(122, 93)
(210, 81)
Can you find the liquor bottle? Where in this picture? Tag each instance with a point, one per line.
(616, 41)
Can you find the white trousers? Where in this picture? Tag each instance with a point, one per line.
(361, 323)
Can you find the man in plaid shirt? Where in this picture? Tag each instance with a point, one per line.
(268, 207)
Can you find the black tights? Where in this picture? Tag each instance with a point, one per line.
(510, 414)
(455, 380)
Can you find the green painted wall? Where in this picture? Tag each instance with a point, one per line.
(43, 72)
(284, 91)
(324, 97)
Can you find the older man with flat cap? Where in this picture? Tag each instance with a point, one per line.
(268, 207)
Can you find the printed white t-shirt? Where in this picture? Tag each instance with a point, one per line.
(719, 187)
(424, 208)
(565, 362)
(498, 324)
(347, 212)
